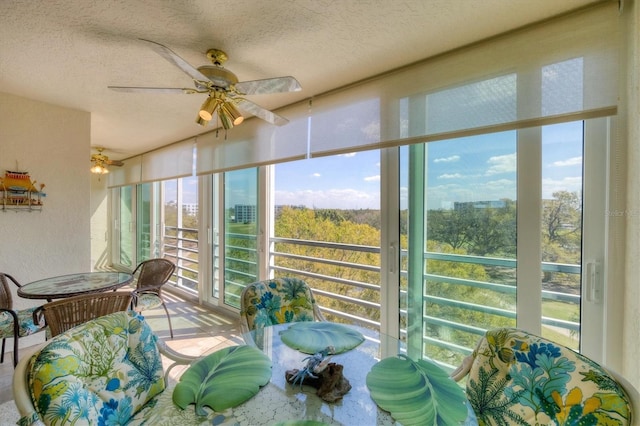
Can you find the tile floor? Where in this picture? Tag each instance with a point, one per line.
(196, 330)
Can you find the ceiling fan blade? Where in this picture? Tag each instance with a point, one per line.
(176, 60)
(114, 163)
(167, 90)
(268, 85)
(254, 109)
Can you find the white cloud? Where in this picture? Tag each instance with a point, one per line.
(451, 159)
(316, 175)
(570, 183)
(450, 176)
(502, 164)
(332, 198)
(351, 154)
(372, 178)
(575, 161)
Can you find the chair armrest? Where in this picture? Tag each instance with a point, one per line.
(21, 394)
(176, 357)
(38, 315)
(462, 370)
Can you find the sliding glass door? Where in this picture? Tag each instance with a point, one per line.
(497, 238)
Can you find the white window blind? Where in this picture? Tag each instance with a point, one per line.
(255, 142)
(563, 69)
(560, 70)
(128, 174)
(169, 162)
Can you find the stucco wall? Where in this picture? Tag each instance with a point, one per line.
(53, 144)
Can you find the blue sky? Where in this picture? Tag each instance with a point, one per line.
(468, 169)
(478, 168)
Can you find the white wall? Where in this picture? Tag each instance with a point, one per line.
(54, 145)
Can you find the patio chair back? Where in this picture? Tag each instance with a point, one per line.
(277, 301)
(14, 323)
(6, 299)
(152, 274)
(61, 315)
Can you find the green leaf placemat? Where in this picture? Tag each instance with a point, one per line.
(416, 392)
(224, 379)
(311, 337)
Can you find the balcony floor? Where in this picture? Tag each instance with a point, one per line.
(196, 329)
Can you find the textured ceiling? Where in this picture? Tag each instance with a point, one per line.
(68, 52)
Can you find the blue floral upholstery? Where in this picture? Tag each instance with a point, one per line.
(25, 323)
(14, 323)
(101, 372)
(521, 379)
(277, 301)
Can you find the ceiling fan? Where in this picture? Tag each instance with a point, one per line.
(99, 162)
(225, 92)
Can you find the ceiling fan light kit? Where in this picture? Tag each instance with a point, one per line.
(99, 169)
(100, 162)
(226, 94)
(208, 108)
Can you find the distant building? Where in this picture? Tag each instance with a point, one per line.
(190, 209)
(245, 213)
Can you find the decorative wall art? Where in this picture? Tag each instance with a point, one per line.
(18, 192)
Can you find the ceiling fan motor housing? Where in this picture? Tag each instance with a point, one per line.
(219, 76)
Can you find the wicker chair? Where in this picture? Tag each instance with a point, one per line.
(61, 315)
(152, 274)
(14, 323)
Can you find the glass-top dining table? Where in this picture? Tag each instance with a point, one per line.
(74, 285)
(280, 402)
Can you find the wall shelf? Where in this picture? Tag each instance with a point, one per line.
(18, 193)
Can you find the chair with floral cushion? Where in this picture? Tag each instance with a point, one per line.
(109, 371)
(277, 301)
(514, 377)
(14, 323)
(105, 371)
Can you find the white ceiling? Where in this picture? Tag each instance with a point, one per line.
(66, 52)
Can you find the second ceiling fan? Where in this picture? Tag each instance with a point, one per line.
(225, 93)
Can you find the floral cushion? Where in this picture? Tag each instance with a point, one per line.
(25, 321)
(101, 372)
(147, 301)
(277, 301)
(521, 379)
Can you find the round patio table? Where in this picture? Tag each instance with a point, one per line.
(279, 401)
(74, 284)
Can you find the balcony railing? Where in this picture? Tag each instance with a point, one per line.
(348, 288)
(181, 246)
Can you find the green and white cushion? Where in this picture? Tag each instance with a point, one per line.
(278, 301)
(25, 321)
(521, 379)
(101, 372)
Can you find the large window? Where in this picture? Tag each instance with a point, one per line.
(498, 241)
(158, 219)
(240, 233)
(179, 229)
(327, 229)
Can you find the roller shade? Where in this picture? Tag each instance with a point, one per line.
(560, 70)
(128, 174)
(255, 142)
(169, 162)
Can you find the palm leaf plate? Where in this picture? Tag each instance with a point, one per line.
(313, 336)
(416, 392)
